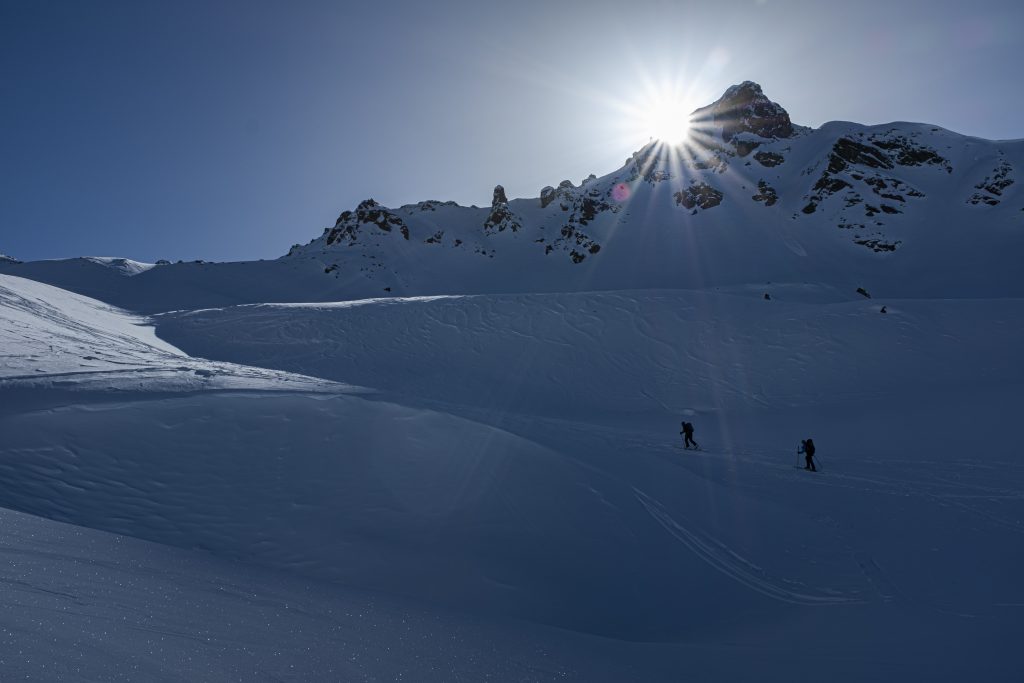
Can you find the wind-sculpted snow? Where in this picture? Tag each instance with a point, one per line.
(623, 353)
(516, 456)
(52, 339)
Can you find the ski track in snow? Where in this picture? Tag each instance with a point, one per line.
(719, 556)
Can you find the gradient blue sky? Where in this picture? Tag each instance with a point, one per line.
(231, 130)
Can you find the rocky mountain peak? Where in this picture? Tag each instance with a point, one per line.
(499, 196)
(744, 108)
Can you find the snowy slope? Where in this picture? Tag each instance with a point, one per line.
(435, 491)
(54, 339)
(87, 605)
(632, 353)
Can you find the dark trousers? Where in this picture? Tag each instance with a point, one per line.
(688, 441)
(810, 462)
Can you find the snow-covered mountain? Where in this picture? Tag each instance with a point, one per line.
(441, 443)
(901, 209)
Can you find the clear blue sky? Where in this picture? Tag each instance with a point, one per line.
(231, 130)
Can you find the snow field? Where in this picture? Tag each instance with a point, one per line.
(555, 493)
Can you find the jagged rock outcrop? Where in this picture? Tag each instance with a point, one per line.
(651, 163)
(765, 193)
(769, 159)
(547, 195)
(904, 151)
(698, 195)
(859, 159)
(501, 217)
(368, 213)
(993, 186)
(498, 196)
(744, 108)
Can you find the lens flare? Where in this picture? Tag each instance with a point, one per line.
(621, 192)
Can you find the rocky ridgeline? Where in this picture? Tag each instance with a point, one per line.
(859, 182)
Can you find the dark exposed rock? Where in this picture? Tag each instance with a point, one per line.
(547, 195)
(877, 183)
(877, 246)
(745, 147)
(699, 195)
(709, 159)
(765, 193)
(880, 185)
(744, 108)
(979, 198)
(652, 163)
(863, 292)
(432, 204)
(846, 151)
(501, 217)
(830, 185)
(769, 158)
(367, 213)
(581, 209)
(574, 240)
(435, 238)
(499, 196)
(993, 185)
(906, 152)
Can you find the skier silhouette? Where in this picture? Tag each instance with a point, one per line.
(807, 448)
(687, 433)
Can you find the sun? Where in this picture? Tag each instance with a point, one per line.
(666, 118)
(656, 107)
